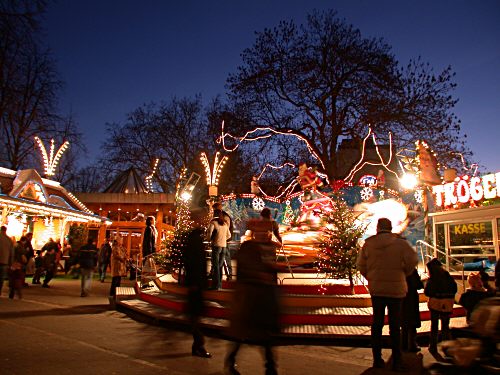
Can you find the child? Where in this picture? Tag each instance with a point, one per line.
(440, 289)
(474, 293)
(38, 267)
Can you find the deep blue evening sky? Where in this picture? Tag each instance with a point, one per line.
(117, 55)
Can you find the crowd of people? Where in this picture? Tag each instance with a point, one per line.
(18, 259)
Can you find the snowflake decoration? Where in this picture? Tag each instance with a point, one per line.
(419, 196)
(258, 204)
(366, 193)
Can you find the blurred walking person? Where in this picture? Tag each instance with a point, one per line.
(195, 280)
(6, 255)
(255, 286)
(49, 261)
(16, 270)
(87, 259)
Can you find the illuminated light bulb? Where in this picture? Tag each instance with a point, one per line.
(186, 195)
(408, 181)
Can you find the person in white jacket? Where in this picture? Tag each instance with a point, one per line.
(385, 260)
(218, 233)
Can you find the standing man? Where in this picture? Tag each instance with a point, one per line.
(149, 238)
(227, 254)
(6, 254)
(87, 258)
(29, 254)
(104, 259)
(385, 261)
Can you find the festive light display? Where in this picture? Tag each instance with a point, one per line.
(250, 136)
(19, 205)
(366, 193)
(428, 165)
(288, 215)
(360, 164)
(149, 178)
(465, 189)
(408, 181)
(473, 167)
(213, 174)
(258, 204)
(339, 247)
(51, 160)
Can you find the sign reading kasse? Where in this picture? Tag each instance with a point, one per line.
(465, 189)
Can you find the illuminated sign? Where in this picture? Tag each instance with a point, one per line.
(476, 228)
(465, 189)
(368, 180)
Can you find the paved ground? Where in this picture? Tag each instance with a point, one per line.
(55, 331)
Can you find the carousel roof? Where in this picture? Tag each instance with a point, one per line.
(128, 182)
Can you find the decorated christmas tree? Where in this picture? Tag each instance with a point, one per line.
(183, 225)
(340, 242)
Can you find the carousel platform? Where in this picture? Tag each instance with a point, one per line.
(313, 309)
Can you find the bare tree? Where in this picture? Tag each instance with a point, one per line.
(29, 84)
(174, 132)
(321, 82)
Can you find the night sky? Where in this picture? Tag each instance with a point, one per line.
(116, 55)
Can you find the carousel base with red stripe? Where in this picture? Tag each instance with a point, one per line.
(312, 308)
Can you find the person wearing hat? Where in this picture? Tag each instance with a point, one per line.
(474, 293)
(441, 290)
(385, 261)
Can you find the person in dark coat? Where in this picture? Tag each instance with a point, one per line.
(474, 294)
(87, 259)
(16, 270)
(411, 313)
(149, 238)
(195, 265)
(104, 259)
(49, 261)
(255, 310)
(440, 285)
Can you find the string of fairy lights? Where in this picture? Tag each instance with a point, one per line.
(51, 159)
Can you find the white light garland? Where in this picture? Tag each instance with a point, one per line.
(51, 160)
(213, 174)
(149, 178)
(382, 163)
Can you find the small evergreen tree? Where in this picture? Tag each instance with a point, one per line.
(183, 225)
(340, 242)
